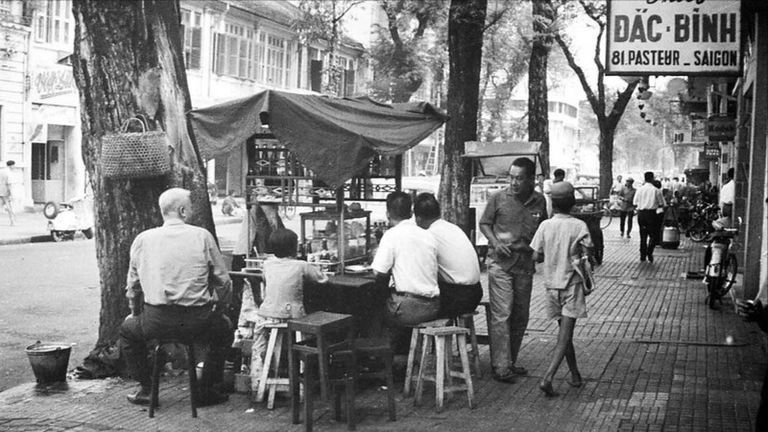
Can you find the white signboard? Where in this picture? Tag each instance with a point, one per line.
(666, 37)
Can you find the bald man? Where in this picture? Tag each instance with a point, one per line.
(178, 288)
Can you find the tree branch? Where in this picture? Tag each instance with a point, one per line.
(620, 105)
(351, 5)
(600, 67)
(392, 25)
(597, 106)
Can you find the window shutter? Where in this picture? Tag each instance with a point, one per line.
(194, 56)
(315, 75)
(349, 79)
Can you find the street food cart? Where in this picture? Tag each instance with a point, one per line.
(316, 152)
(490, 173)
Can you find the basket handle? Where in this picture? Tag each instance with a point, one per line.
(128, 122)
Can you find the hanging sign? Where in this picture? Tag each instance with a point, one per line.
(711, 151)
(664, 37)
(721, 128)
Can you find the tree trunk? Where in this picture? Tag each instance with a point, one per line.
(465, 42)
(538, 103)
(606, 160)
(128, 61)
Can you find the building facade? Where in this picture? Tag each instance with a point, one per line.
(231, 49)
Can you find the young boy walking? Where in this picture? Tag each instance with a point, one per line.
(558, 243)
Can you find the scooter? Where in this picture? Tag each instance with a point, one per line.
(67, 218)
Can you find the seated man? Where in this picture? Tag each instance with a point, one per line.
(458, 274)
(179, 272)
(410, 253)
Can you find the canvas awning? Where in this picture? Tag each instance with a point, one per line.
(335, 138)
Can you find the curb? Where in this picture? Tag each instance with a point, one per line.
(44, 238)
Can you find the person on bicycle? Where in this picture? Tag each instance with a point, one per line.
(627, 206)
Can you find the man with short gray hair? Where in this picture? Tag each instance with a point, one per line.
(178, 288)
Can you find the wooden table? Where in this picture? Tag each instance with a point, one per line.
(357, 295)
(331, 332)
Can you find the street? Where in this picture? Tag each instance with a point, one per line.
(48, 292)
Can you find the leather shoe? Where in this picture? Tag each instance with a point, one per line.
(141, 397)
(506, 376)
(650, 258)
(518, 370)
(211, 397)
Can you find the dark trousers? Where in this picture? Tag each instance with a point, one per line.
(650, 229)
(761, 424)
(626, 216)
(198, 324)
(458, 299)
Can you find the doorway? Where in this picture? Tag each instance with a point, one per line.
(48, 171)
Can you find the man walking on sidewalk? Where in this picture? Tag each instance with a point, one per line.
(6, 190)
(648, 201)
(509, 222)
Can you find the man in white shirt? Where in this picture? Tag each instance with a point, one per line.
(7, 182)
(458, 274)
(727, 197)
(648, 201)
(410, 254)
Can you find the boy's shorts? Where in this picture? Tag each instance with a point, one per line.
(567, 302)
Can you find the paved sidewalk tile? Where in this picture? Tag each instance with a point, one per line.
(653, 355)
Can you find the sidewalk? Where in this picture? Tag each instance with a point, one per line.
(32, 226)
(654, 357)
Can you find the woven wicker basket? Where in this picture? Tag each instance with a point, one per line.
(131, 155)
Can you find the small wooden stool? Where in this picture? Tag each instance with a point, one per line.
(440, 336)
(378, 348)
(416, 339)
(344, 378)
(467, 321)
(272, 359)
(157, 346)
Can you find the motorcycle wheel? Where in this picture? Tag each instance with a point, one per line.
(713, 288)
(50, 210)
(88, 233)
(731, 267)
(698, 233)
(58, 236)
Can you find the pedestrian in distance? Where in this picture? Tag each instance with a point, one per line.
(509, 222)
(627, 207)
(228, 205)
(560, 242)
(7, 182)
(649, 202)
(177, 288)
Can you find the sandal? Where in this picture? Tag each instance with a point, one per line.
(546, 387)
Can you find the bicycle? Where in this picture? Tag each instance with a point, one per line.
(609, 212)
(721, 269)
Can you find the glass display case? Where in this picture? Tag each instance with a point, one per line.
(333, 240)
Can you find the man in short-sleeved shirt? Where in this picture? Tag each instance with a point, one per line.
(409, 253)
(648, 201)
(458, 275)
(7, 177)
(509, 223)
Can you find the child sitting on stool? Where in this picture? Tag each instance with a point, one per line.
(284, 278)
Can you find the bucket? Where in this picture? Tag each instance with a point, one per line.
(49, 361)
(670, 238)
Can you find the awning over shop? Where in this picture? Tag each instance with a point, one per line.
(333, 137)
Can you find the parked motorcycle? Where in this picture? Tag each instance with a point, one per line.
(67, 218)
(697, 223)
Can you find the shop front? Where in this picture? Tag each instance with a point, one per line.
(56, 169)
